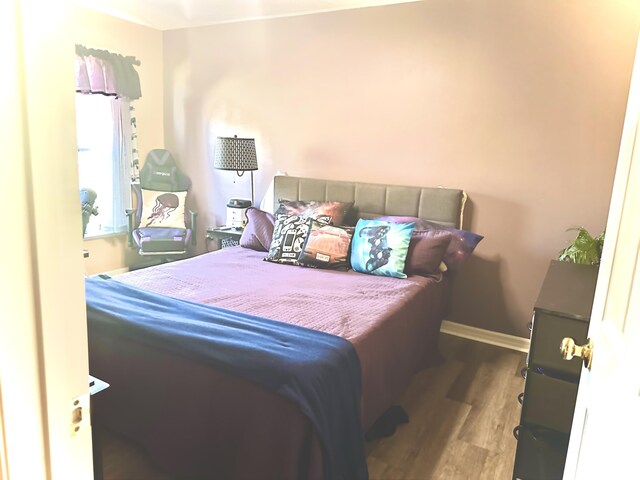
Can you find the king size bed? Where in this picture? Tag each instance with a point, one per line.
(182, 398)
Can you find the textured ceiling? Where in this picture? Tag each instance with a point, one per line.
(171, 14)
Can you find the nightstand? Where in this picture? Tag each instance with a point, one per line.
(224, 237)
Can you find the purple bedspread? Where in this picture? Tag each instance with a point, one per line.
(392, 323)
(346, 304)
(319, 372)
(351, 305)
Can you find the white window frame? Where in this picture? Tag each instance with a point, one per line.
(104, 139)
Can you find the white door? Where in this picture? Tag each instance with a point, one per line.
(606, 423)
(43, 329)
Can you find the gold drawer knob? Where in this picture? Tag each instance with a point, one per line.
(569, 349)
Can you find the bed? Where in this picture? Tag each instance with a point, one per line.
(198, 421)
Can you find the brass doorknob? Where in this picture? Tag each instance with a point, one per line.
(569, 349)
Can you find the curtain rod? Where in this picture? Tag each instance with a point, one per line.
(82, 50)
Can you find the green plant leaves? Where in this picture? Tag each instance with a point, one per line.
(584, 249)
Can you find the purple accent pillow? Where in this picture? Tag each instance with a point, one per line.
(258, 231)
(426, 251)
(462, 244)
(324, 212)
(326, 247)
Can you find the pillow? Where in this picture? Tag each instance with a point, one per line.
(380, 247)
(421, 223)
(324, 212)
(463, 242)
(162, 209)
(326, 246)
(426, 251)
(289, 235)
(258, 231)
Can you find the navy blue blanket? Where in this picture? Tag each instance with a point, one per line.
(318, 371)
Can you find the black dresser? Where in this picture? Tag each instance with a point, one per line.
(562, 310)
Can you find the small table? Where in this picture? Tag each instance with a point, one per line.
(224, 236)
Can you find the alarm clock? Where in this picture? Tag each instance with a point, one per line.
(237, 212)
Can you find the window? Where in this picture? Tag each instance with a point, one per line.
(104, 159)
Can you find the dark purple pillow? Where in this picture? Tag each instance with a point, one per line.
(462, 244)
(426, 251)
(258, 231)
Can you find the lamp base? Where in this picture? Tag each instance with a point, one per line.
(237, 212)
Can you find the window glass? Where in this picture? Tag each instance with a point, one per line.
(101, 146)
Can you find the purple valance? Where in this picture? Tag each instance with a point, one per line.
(106, 73)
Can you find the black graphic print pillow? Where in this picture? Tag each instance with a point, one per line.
(289, 235)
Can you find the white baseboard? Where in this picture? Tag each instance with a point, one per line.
(485, 336)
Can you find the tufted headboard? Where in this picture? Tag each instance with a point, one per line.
(442, 205)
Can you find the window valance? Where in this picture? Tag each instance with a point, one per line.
(106, 73)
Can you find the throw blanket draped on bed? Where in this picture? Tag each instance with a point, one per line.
(318, 371)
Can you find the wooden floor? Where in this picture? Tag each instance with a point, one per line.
(461, 419)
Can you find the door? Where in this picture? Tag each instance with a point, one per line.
(607, 417)
(43, 336)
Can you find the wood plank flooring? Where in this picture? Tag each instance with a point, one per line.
(461, 419)
(462, 416)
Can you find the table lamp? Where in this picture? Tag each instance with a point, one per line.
(239, 155)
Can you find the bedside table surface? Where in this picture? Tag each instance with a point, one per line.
(225, 229)
(224, 232)
(224, 236)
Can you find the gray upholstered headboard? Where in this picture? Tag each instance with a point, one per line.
(442, 205)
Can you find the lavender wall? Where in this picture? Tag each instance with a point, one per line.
(98, 30)
(519, 103)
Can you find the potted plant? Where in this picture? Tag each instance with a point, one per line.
(584, 249)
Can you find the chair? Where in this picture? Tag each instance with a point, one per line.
(160, 226)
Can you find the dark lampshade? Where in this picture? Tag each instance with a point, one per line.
(237, 154)
(233, 153)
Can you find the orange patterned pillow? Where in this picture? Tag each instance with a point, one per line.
(326, 247)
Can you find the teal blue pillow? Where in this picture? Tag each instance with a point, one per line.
(380, 247)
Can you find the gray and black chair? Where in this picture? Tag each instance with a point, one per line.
(160, 225)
